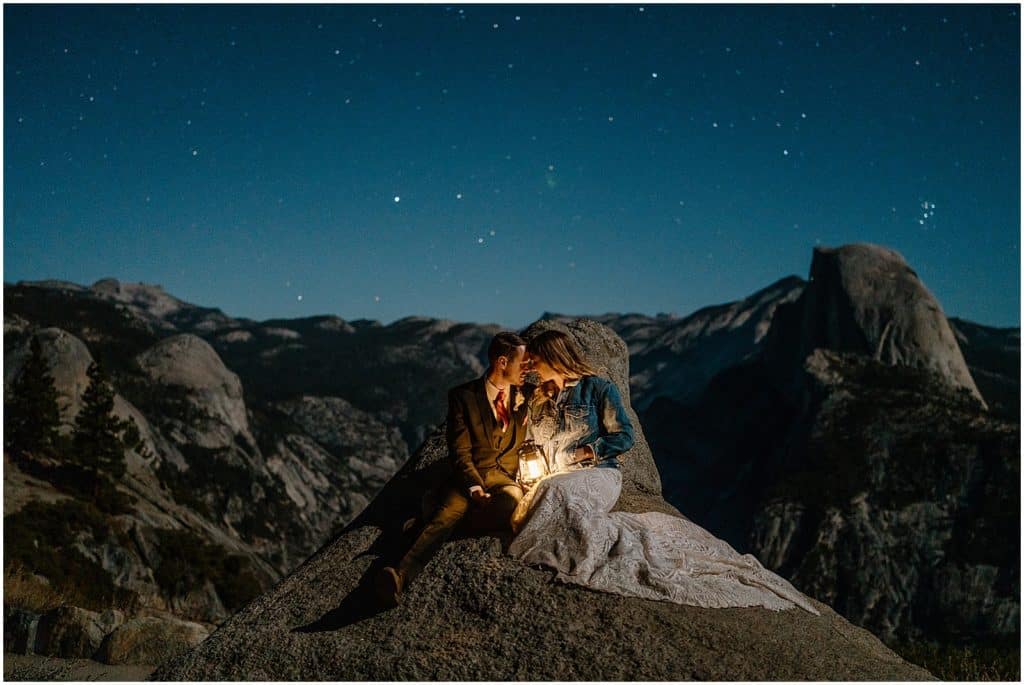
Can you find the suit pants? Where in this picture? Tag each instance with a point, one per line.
(456, 504)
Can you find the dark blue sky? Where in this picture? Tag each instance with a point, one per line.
(488, 163)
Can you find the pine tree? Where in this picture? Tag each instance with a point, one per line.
(97, 439)
(32, 416)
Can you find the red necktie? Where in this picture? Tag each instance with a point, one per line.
(501, 410)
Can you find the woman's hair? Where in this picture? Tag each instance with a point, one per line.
(559, 352)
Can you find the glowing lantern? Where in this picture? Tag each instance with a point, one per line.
(532, 464)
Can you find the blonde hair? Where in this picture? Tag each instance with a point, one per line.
(559, 352)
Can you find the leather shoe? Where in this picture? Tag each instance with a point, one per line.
(389, 583)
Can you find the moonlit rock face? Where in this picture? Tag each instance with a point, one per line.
(68, 359)
(865, 298)
(151, 299)
(188, 361)
(334, 323)
(286, 333)
(236, 336)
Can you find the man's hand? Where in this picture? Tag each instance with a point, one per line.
(479, 495)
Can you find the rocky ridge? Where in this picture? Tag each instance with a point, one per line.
(675, 358)
(719, 452)
(203, 481)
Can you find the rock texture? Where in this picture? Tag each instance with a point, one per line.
(150, 640)
(52, 669)
(188, 364)
(158, 308)
(20, 627)
(70, 631)
(993, 358)
(68, 359)
(899, 509)
(475, 614)
(867, 300)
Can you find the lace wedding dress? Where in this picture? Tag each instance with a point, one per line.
(565, 522)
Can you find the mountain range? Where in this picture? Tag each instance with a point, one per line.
(841, 428)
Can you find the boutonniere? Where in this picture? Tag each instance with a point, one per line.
(520, 399)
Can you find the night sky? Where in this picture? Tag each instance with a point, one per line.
(490, 163)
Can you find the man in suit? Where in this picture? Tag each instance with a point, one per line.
(485, 431)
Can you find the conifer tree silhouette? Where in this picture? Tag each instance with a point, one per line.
(97, 442)
(32, 416)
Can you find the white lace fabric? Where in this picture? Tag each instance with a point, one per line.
(565, 523)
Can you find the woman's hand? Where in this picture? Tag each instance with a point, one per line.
(582, 454)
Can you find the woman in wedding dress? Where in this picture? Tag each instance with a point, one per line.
(565, 522)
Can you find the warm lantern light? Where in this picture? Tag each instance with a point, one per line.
(532, 465)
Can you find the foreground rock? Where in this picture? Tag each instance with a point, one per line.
(150, 640)
(69, 631)
(475, 614)
(20, 627)
(31, 667)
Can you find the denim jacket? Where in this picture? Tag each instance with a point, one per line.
(593, 408)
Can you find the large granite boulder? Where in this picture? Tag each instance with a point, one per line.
(610, 356)
(150, 640)
(72, 632)
(476, 614)
(214, 409)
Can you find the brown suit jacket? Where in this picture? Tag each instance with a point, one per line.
(476, 443)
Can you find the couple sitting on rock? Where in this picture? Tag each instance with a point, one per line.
(578, 424)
